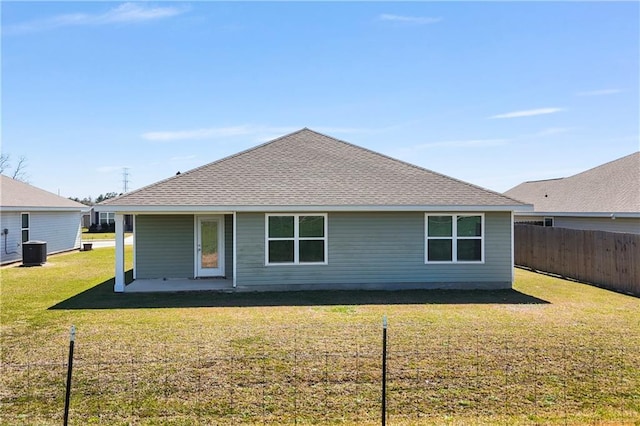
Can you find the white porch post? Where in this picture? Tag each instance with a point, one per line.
(513, 254)
(119, 285)
(235, 251)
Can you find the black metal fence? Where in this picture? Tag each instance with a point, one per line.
(297, 375)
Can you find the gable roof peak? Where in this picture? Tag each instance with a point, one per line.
(308, 168)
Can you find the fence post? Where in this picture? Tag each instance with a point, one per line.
(384, 370)
(67, 398)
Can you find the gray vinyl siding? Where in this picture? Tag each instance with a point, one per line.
(60, 230)
(377, 249)
(626, 225)
(164, 246)
(11, 243)
(620, 224)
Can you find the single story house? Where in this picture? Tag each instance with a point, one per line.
(605, 198)
(308, 211)
(105, 221)
(28, 213)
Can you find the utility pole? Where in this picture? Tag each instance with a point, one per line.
(125, 180)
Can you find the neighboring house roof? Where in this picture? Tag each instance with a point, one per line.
(613, 187)
(20, 196)
(306, 168)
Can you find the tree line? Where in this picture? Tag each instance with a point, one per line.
(88, 201)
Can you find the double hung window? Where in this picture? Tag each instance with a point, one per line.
(25, 227)
(452, 238)
(296, 239)
(107, 218)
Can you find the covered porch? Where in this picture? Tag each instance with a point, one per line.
(177, 251)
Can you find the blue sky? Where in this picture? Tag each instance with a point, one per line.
(494, 93)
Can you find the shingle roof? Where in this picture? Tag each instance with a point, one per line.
(613, 187)
(306, 168)
(19, 195)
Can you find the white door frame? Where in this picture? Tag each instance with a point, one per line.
(212, 272)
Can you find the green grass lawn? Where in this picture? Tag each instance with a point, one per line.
(548, 352)
(89, 236)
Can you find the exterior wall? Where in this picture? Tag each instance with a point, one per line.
(11, 243)
(61, 230)
(94, 219)
(520, 218)
(620, 224)
(165, 246)
(373, 250)
(624, 225)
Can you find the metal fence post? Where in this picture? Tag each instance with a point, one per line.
(384, 370)
(67, 398)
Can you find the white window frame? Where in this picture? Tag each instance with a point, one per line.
(296, 239)
(28, 228)
(111, 217)
(454, 238)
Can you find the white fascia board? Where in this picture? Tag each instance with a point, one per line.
(44, 209)
(580, 214)
(315, 208)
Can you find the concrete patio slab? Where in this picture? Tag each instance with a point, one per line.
(179, 284)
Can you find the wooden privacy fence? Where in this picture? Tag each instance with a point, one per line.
(607, 259)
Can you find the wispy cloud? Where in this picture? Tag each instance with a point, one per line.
(550, 131)
(124, 13)
(470, 143)
(601, 92)
(257, 132)
(207, 133)
(528, 113)
(417, 20)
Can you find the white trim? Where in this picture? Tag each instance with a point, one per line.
(234, 245)
(135, 243)
(296, 239)
(454, 238)
(108, 214)
(580, 214)
(162, 209)
(118, 287)
(195, 246)
(198, 272)
(513, 254)
(28, 228)
(43, 209)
